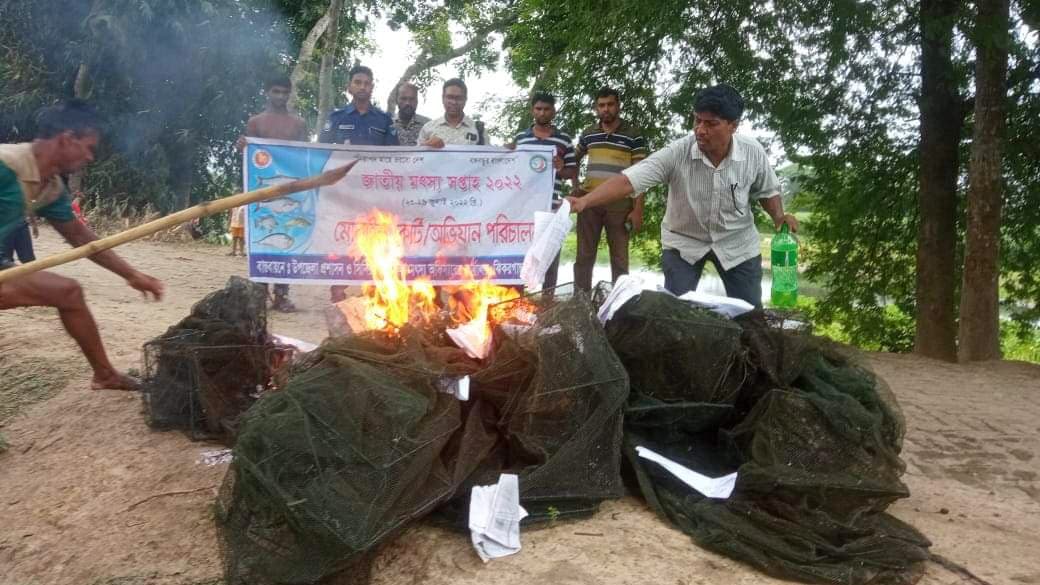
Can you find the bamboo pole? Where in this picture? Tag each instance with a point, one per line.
(201, 210)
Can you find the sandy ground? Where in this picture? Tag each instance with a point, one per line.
(90, 495)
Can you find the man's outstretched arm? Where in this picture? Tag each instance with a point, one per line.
(613, 189)
(76, 233)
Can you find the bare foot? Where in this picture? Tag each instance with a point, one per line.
(115, 381)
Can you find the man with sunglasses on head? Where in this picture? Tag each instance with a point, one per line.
(713, 175)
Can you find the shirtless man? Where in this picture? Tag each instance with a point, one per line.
(66, 136)
(278, 123)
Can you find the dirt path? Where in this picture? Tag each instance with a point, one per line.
(89, 495)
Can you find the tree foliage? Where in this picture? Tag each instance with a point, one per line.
(838, 83)
(173, 78)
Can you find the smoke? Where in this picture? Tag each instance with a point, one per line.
(175, 80)
(186, 77)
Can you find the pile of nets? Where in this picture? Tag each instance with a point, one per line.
(205, 371)
(813, 435)
(367, 435)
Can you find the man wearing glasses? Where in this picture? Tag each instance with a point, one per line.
(713, 175)
(455, 127)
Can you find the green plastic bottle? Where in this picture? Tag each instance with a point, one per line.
(784, 262)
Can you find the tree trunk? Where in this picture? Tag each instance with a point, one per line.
(426, 61)
(942, 120)
(304, 58)
(80, 89)
(180, 150)
(326, 92)
(980, 308)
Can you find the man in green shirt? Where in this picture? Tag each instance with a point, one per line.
(30, 184)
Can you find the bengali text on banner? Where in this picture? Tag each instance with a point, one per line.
(455, 207)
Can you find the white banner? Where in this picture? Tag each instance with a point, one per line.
(457, 206)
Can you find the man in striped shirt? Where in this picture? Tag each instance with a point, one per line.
(543, 110)
(612, 145)
(713, 175)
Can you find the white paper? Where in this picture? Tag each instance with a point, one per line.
(626, 287)
(726, 306)
(457, 387)
(514, 329)
(215, 457)
(550, 230)
(494, 518)
(299, 344)
(473, 337)
(718, 487)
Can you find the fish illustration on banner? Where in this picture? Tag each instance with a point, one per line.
(284, 225)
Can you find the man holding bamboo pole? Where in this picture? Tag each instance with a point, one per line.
(29, 183)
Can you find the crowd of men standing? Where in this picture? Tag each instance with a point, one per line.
(713, 175)
(609, 146)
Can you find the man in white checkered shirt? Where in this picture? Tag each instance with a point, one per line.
(713, 175)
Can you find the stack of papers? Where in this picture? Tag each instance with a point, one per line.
(472, 337)
(494, 518)
(626, 287)
(550, 230)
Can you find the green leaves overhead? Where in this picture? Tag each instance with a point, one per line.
(838, 82)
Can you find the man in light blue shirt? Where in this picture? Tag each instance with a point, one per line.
(713, 177)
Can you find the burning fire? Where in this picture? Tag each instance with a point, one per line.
(392, 301)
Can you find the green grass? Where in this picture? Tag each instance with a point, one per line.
(27, 382)
(1019, 341)
(570, 251)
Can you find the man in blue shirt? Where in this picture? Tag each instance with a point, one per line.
(359, 122)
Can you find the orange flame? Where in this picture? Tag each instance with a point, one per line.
(391, 301)
(471, 300)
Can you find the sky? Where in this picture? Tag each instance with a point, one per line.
(395, 52)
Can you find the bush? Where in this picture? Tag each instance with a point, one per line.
(1020, 341)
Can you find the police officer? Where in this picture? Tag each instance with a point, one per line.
(359, 122)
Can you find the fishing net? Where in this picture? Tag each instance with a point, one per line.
(367, 435)
(813, 435)
(205, 371)
(674, 351)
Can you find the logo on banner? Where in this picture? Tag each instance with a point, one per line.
(539, 163)
(262, 159)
